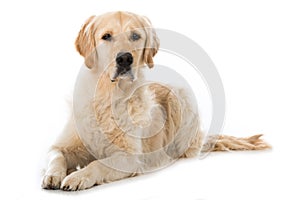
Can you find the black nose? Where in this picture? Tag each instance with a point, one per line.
(124, 59)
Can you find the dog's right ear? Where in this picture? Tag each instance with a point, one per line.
(152, 42)
(85, 43)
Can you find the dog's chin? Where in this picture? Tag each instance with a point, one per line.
(128, 76)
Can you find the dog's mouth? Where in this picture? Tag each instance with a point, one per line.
(123, 73)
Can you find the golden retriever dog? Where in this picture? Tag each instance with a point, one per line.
(121, 127)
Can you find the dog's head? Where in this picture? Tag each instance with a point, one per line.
(118, 42)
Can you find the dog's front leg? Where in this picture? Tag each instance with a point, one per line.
(56, 171)
(101, 171)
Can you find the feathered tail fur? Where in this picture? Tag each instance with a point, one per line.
(229, 143)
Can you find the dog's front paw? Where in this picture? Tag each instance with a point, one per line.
(78, 180)
(53, 181)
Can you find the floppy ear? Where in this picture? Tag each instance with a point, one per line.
(152, 42)
(85, 43)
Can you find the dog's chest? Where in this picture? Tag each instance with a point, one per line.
(122, 122)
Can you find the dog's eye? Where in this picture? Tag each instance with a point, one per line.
(135, 37)
(106, 36)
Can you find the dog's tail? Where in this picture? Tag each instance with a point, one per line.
(230, 143)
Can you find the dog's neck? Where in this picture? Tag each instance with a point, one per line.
(121, 89)
(126, 87)
(129, 99)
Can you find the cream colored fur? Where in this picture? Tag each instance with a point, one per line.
(109, 137)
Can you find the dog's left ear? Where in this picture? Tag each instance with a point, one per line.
(152, 42)
(85, 43)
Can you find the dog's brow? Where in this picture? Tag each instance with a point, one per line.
(127, 23)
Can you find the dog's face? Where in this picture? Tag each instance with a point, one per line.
(119, 43)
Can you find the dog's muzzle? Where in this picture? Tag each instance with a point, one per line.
(123, 61)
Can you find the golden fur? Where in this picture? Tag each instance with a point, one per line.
(120, 110)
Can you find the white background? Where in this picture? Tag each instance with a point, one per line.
(255, 46)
